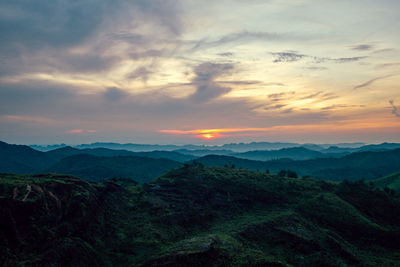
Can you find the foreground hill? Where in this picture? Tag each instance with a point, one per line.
(368, 165)
(197, 216)
(94, 168)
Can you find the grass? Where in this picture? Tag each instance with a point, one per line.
(391, 181)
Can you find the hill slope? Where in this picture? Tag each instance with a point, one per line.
(105, 152)
(355, 166)
(22, 159)
(296, 153)
(197, 216)
(94, 168)
(391, 181)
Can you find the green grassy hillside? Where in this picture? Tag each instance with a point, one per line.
(391, 181)
(197, 216)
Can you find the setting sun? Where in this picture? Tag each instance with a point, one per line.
(208, 136)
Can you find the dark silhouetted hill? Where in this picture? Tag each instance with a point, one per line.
(368, 165)
(197, 216)
(95, 168)
(296, 153)
(22, 159)
(105, 152)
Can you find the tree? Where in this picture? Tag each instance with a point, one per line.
(291, 174)
(282, 173)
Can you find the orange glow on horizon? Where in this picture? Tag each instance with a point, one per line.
(338, 127)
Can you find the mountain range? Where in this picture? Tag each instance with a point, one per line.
(103, 163)
(234, 147)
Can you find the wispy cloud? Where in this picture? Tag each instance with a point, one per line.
(348, 59)
(368, 83)
(225, 54)
(242, 36)
(363, 47)
(312, 95)
(80, 131)
(204, 81)
(293, 56)
(287, 57)
(339, 106)
(395, 110)
(387, 65)
(27, 119)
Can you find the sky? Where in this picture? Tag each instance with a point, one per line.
(209, 72)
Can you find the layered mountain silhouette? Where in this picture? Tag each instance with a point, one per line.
(103, 163)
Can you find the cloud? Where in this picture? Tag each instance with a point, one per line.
(142, 73)
(75, 131)
(80, 131)
(385, 50)
(316, 68)
(287, 57)
(64, 23)
(363, 47)
(48, 23)
(395, 110)
(292, 56)
(277, 95)
(338, 106)
(312, 95)
(386, 65)
(241, 37)
(28, 119)
(151, 53)
(348, 59)
(273, 107)
(225, 54)
(76, 37)
(205, 82)
(286, 111)
(247, 83)
(114, 94)
(368, 83)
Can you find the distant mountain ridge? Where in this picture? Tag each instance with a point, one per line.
(94, 168)
(90, 164)
(368, 165)
(106, 152)
(296, 153)
(334, 163)
(22, 159)
(235, 147)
